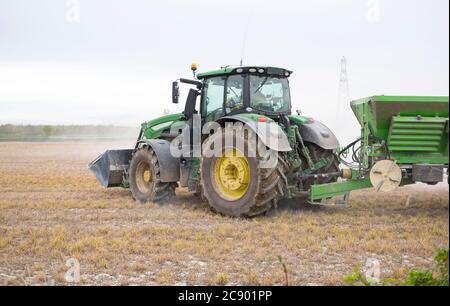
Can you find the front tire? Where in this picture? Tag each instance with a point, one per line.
(145, 182)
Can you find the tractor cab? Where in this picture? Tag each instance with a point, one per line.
(233, 90)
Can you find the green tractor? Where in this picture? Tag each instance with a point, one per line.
(262, 153)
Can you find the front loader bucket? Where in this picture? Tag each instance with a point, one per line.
(109, 168)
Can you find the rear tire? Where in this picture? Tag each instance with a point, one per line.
(145, 182)
(254, 192)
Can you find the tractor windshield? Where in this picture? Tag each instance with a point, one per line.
(270, 94)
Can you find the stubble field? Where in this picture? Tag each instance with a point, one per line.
(52, 209)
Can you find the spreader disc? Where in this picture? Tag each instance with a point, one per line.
(386, 176)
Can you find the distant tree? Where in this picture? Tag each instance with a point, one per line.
(48, 130)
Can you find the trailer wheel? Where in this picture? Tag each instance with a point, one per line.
(240, 184)
(145, 183)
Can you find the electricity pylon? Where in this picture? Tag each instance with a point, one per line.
(344, 92)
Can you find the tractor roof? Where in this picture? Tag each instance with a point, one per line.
(229, 70)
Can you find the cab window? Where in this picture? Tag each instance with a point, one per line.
(270, 94)
(214, 91)
(234, 99)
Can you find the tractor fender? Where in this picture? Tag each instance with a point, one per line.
(269, 132)
(169, 165)
(319, 134)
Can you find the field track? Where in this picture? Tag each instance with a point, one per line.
(52, 209)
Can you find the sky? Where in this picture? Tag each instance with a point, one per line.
(113, 61)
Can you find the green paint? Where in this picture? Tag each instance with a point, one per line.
(195, 169)
(323, 163)
(377, 111)
(356, 174)
(125, 183)
(294, 134)
(154, 128)
(212, 73)
(293, 157)
(300, 120)
(324, 191)
(304, 148)
(418, 135)
(252, 117)
(414, 128)
(228, 71)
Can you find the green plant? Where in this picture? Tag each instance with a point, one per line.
(427, 278)
(442, 265)
(222, 279)
(356, 278)
(285, 271)
(415, 277)
(420, 278)
(48, 130)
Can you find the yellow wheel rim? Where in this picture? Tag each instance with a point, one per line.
(144, 177)
(232, 175)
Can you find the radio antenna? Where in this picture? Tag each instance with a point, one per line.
(244, 41)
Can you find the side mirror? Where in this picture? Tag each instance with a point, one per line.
(175, 92)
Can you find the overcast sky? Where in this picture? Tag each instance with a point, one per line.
(112, 61)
